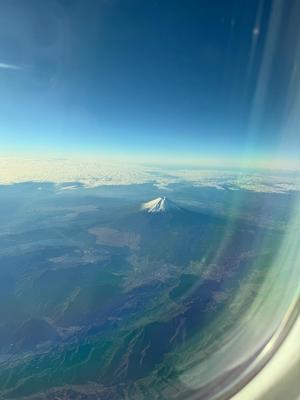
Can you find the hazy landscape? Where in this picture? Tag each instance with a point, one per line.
(104, 290)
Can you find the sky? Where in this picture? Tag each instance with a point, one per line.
(151, 80)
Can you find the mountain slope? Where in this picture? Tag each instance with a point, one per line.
(171, 233)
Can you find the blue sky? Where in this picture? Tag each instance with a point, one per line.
(146, 78)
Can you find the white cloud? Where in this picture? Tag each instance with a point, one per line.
(10, 66)
(96, 172)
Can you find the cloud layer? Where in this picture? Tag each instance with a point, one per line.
(96, 173)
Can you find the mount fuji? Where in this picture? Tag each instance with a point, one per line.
(160, 205)
(169, 232)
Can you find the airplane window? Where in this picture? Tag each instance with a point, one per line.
(149, 197)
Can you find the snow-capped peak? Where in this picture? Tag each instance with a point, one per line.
(161, 204)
